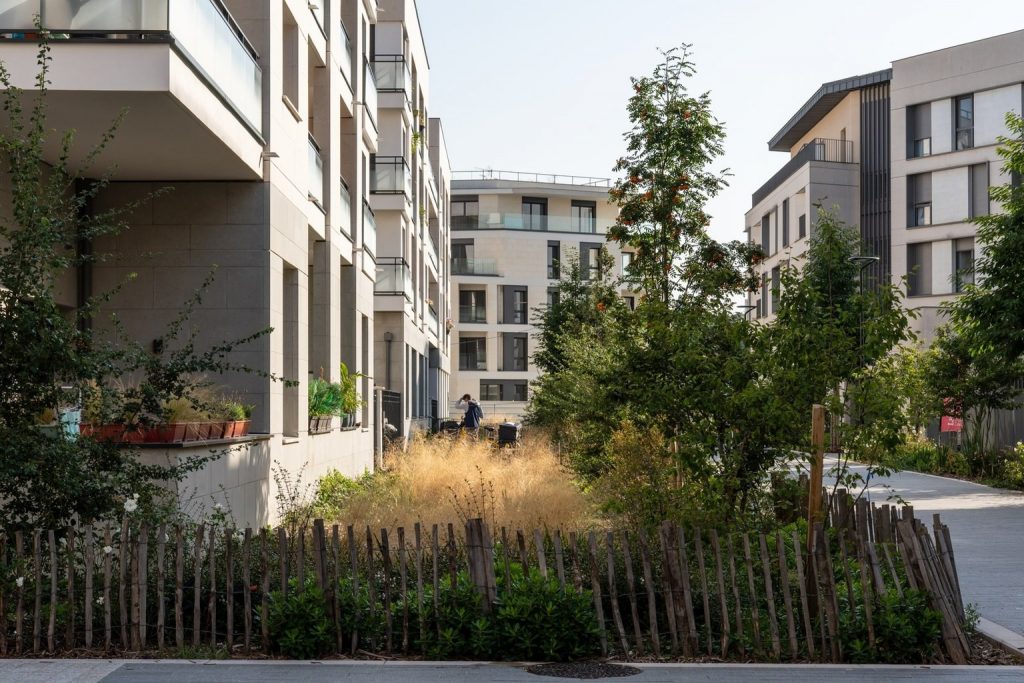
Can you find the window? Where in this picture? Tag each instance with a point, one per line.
(472, 306)
(518, 353)
(919, 269)
(554, 256)
(519, 391)
(472, 353)
(776, 288)
(785, 219)
(519, 307)
(766, 234)
(535, 213)
(919, 199)
(763, 310)
(490, 391)
(290, 63)
(963, 118)
(465, 212)
(802, 226)
(514, 305)
(584, 217)
(979, 190)
(919, 130)
(627, 261)
(554, 296)
(462, 250)
(630, 301)
(964, 263)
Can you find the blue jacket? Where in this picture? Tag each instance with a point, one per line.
(474, 413)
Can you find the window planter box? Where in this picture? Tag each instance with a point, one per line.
(320, 424)
(169, 433)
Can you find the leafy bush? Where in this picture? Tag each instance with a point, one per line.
(907, 630)
(299, 627)
(1013, 467)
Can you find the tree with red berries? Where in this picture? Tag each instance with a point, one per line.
(664, 188)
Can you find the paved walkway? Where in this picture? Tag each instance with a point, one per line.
(987, 526)
(94, 671)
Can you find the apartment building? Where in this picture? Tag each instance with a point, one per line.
(838, 146)
(252, 127)
(409, 176)
(948, 109)
(908, 154)
(512, 233)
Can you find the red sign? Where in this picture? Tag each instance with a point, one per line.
(951, 423)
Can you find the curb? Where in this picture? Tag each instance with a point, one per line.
(1002, 637)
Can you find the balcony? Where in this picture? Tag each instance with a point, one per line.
(818, 149)
(522, 177)
(171, 63)
(345, 55)
(390, 175)
(433, 324)
(344, 212)
(315, 173)
(472, 314)
(370, 94)
(393, 277)
(431, 250)
(369, 230)
(519, 221)
(474, 266)
(393, 75)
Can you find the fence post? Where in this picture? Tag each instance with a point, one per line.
(817, 472)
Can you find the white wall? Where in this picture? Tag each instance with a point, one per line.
(990, 108)
(950, 196)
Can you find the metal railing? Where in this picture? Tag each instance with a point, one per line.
(535, 223)
(818, 149)
(392, 72)
(527, 177)
(393, 277)
(433, 324)
(345, 56)
(390, 175)
(472, 314)
(315, 170)
(369, 230)
(370, 92)
(345, 210)
(203, 31)
(431, 250)
(474, 266)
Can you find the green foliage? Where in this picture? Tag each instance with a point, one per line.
(907, 630)
(52, 360)
(334, 490)
(334, 398)
(299, 626)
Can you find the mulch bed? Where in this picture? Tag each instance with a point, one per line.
(583, 670)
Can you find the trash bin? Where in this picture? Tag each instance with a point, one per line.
(508, 434)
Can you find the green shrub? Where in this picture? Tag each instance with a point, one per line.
(333, 490)
(1013, 467)
(907, 630)
(299, 627)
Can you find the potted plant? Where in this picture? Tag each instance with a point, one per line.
(351, 401)
(324, 403)
(237, 418)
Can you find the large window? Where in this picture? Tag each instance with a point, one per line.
(472, 353)
(590, 261)
(776, 288)
(979, 190)
(472, 306)
(535, 213)
(519, 391)
(919, 199)
(766, 235)
(520, 307)
(919, 269)
(963, 120)
(802, 223)
(554, 296)
(465, 212)
(515, 305)
(519, 354)
(627, 262)
(490, 391)
(554, 256)
(919, 130)
(785, 222)
(584, 216)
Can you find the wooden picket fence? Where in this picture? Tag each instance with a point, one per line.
(677, 591)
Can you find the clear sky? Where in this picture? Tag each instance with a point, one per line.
(541, 85)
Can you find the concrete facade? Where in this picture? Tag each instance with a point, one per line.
(246, 154)
(508, 232)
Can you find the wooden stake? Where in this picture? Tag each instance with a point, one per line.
(755, 611)
(787, 596)
(773, 624)
(559, 559)
(814, 514)
(801, 580)
(613, 596)
(652, 606)
(595, 584)
(627, 560)
(179, 587)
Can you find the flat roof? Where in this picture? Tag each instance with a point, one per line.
(820, 104)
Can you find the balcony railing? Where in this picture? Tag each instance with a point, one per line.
(345, 210)
(345, 56)
(472, 314)
(521, 177)
(393, 277)
(317, 8)
(392, 72)
(519, 221)
(390, 175)
(818, 149)
(433, 324)
(474, 266)
(369, 230)
(202, 31)
(370, 92)
(315, 171)
(431, 250)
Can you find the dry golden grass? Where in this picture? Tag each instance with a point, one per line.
(438, 480)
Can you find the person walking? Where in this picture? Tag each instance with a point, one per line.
(474, 414)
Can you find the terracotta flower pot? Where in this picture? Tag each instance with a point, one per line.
(243, 427)
(194, 431)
